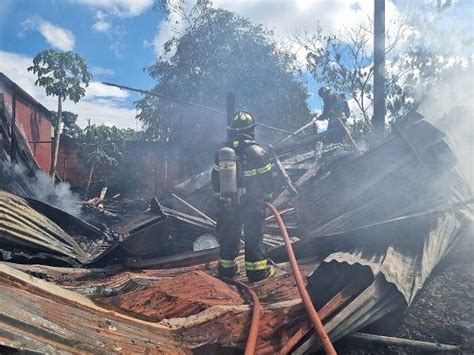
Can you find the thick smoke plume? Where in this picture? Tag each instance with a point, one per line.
(59, 195)
(41, 188)
(447, 103)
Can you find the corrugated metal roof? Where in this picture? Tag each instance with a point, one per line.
(39, 316)
(179, 309)
(375, 237)
(34, 227)
(21, 224)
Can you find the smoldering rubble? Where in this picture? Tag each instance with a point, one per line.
(368, 229)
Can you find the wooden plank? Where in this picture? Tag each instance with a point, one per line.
(405, 343)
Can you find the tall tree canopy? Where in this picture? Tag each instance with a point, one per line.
(65, 75)
(221, 52)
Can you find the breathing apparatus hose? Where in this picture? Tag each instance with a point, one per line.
(308, 304)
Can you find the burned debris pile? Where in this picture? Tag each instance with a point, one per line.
(368, 230)
(33, 231)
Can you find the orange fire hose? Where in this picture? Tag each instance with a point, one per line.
(255, 322)
(317, 324)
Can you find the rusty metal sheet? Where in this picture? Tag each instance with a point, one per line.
(395, 257)
(144, 234)
(185, 305)
(32, 227)
(37, 315)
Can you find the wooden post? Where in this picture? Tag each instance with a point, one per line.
(230, 109)
(230, 105)
(423, 346)
(282, 172)
(378, 120)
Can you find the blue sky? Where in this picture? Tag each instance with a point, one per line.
(119, 38)
(121, 51)
(117, 53)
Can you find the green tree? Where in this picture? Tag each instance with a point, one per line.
(100, 146)
(221, 52)
(344, 61)
(65, 75)
(70, 127)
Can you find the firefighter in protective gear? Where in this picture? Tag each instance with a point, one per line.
(336, 111)
(255, 183)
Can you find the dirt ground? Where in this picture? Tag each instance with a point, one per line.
(442, 312)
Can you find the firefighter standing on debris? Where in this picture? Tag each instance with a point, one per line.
(242, 180)
(336, 111)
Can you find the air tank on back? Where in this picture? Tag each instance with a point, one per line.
(227, 172)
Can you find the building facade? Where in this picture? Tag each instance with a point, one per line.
(32, 119)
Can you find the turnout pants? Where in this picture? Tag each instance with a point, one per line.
(336, 131)
(248, 218)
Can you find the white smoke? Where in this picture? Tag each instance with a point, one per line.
(447, 102)
(58, 195)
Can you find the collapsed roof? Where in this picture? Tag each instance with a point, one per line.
(371, 229)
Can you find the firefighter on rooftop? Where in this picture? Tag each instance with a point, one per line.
(242, 180)
(336, 111)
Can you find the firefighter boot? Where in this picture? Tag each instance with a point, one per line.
(255, 276)
(227, 268)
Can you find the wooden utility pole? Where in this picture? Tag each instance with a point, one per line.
(230, 106)
(378, 120)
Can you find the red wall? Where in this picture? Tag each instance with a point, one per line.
(35, 126)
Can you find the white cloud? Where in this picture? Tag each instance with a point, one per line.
(100, 71)
(284, 17)
(121, 8)
(102, 26)
(115, 34)
(99, 90)
(101, 104)
(56, 36)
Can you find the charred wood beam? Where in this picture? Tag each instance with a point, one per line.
(282, 172)
(353, 143)
(202, 214)
(179, 260)
(272, 217)
(405, 343)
